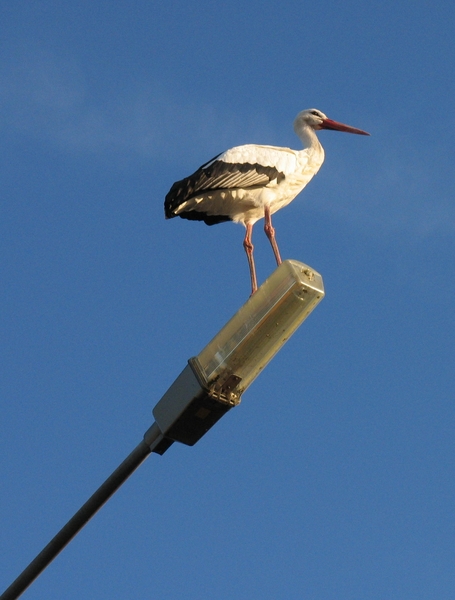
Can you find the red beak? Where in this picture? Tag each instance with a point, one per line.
(329, 124)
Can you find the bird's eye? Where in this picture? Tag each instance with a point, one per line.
(315, 113)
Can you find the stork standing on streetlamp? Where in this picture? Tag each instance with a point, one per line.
(251, 182)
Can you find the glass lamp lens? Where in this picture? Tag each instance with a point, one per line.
(239, 352)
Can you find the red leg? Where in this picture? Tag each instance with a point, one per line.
(248, 245)
(270, 233)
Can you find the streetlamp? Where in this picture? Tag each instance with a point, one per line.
(209, 386)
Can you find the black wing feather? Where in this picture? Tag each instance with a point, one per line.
(216, 175)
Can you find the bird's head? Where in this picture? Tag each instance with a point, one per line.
(315, 119)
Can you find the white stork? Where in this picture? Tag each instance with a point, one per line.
(251, 182)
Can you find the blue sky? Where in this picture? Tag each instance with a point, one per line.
(334, 477)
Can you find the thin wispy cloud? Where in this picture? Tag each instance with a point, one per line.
(47, 98)
(393, 187)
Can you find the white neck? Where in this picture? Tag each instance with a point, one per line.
(307, 135)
